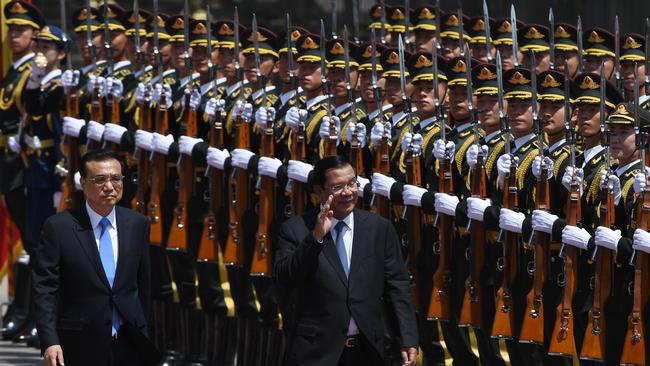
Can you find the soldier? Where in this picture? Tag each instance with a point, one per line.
(633, 63)
(566, 48)
(398, 19)
(502, 41)
(476, 29)
(599, 47)
(424, 19)
(23, 21)
(534, 37)
(450, 25)
(379, 23)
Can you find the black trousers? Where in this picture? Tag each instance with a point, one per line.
(124, 351)
(362, 354)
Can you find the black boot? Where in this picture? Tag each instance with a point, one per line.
(15, 321)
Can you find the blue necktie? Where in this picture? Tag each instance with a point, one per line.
(108, 262)
(340, 247)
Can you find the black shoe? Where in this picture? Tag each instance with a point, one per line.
(14, 326)
(28, 335)
(171, 358)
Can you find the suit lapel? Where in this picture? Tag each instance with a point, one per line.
(122, 232)
(332, 256)
(359, 246)
(86, 239)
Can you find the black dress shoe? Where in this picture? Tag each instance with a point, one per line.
(172, 358)
(14, 326)
(27, 335)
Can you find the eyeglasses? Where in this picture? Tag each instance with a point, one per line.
(100, 180)
(338, 189)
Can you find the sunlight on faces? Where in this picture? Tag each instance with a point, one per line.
(480, 53)
(268, 66)
(343, 180)
(178, 61)
(542, 61)
(424, 97)
(450, 48)
(51, 52)
(393, 90)
(226, 62)
(424, 40)
(200, 59)
(458, 102)
(571, 58)
(488, 112)
(336, 78)
(19, 38)
(588, 119)
(627, 73)
(310, 76)
(102, 198)
(552, 114)
(365, 85)
(592, 64)
(520, 116)
(622, 143)
(118, 44)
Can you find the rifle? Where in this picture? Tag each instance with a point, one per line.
(471, 310)
(261, 264)
(486, 20)
(551, 34)
(71, 144)
(144, 112)
(96, 101)
(158, 161)
(440, 302)
(504, 317)
(178, 232)
(617, 60)
(112, 104)
(634, 344)
(356, 152)
(209, 246)
(647, 55)
(238, 181)
(461, 28)
(414, 224)
(532, 329)
(330, 143)
(515, 43)
(593, 344)
(580, 46)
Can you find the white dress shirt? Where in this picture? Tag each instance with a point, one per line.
(348, 234)
(97, 228)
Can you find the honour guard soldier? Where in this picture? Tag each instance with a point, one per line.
(398, 19)
(502, 41)
(378, 22)
(424, 20)
(23, 21)
(450, 26)
(599, 47)
(566, 48)
(633, 60)
(534, 37)
(477, 29)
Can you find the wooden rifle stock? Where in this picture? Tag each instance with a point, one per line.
(298, 192)
(440, 303)
(532, 328)
(356, 160)
(178, 233)
(114, 104)
(471, 311)
(261, 264)
(138, 202)
(562, 341)
(234, 254)
(96, 114)
(330, 143)
(634, 345)
(158, 178)
(415, 229)
(71, 151)
(504, 317)
(593, 345)
(382, 165)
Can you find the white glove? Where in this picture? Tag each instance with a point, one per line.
(446, 204)
(162, 89)
(113, 132)
(543, 221)
(243, 110)
(612, 183)
(144, 140)
(537, 167)
(412, 141)
(72, 126)
(440, 148)
(70, 79)
(510, 220)
(294, 116)
(240, 158)
(77, 181)
(357, 129)
(324, 129)
(575, 236)
(214, 105)
(640, 183)
(472, 155)
(607, 238)
(297, 170)
(141, 93)
(99, 82)
(412, 195)
(503, 167)
(381, 184)
(95, 131)
(14, 144)
(35, 77)
(268, 166)
(33, 142)
(362, 185)
(161, 143)
(195, 99)
(476, 207)
(263, 115)
(186, 144)
(114, 87)
(568, 177)
(56, 199)
(217, 158)
(641, 241)
(377, 133)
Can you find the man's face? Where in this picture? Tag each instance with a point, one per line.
(393, 91)
(19, 38)
(267, 66)
(336, 79)
(627, 73)
(622, 142)
(200, 59)
(450, 48)
(342, 185)
(424, 97)
(310, 76)
(488, 112)
(479, 52)
(572, 61)
(102, 197)
(588, 119)
(520, 116)
(552, 115)
(226, 61)
(118, 43)
(283, 68)
(592, 64)
(50, 51)
(458, 102)
(424, 40)
(542, 61)
(507, 62)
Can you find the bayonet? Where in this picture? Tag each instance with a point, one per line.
(461, 30)
(211, 68)
(355, 21)
(89, 37)
(107, 41)
(139, 55)
(537, 123)
(186, 47)
(436, 93)
(567, 117)
(382, 31)
(334, 19)
(502, 117)
(292, 74)
(156, 45)
(647, 56)
(238, 70)
(468, 88)
(617, 56)
(407, 24)
(373, 72)
(551, 34)
(64, 27)
(515, 43)
(579, 41)
(323, 72)
(258, 68)
(488, 43)
(348, 83)
(604, 135)
(640, 137)
(437, 31)
(402, 79)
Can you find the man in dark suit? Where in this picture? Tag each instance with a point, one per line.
(339, 262)
(91, 275)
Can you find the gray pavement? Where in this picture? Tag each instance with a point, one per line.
(12, 354)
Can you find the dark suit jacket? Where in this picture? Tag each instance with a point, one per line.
(72, 296)
(325, 300)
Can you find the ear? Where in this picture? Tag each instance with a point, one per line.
(276, 68)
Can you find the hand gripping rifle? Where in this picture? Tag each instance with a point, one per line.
(330, 143)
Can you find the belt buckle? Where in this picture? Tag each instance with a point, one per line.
(351, 342)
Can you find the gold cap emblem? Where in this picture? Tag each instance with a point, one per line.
(398, 15)
(631, 43)
(337, 49)
(295, 35)
(518, 79)
(594, 37)
(505, 27)
(260, 37)
(459, 67)
(560, 32)
(17, 8)
(550, 82)
(426, 14)
(533, 33)
(622, 109)
(479, 25)
(200, 28)
(309, 44)
(486, 74)
(225, 30)
(452, 21)
(393, 58)
(588, 83)
(178, 24)
(422, 62)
